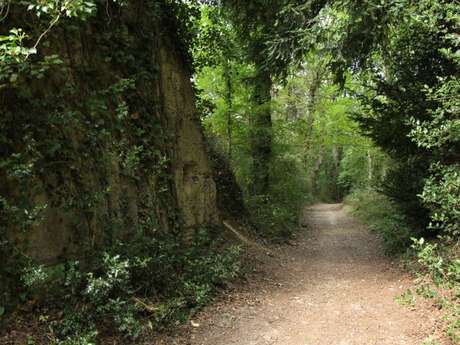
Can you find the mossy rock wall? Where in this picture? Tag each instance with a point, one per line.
(107, 137)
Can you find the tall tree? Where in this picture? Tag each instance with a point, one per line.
(258, 22)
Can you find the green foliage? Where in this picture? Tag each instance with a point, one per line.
(439, 273)
(147, 282)
(439, 261)
(274, 212)
(440, 134)
(384, 217)
(310, 134)
(253, 24)
(362, 167)
(335, 155)
(54, 8)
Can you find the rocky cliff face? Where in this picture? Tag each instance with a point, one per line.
(110, 135)
(193, 181)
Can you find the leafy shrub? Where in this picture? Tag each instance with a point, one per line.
(157, 278)
(442, 195)
(384, 217)
(439, 262)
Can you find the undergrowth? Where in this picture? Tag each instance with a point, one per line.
(148, 283)
(276, 213)
(383, 217)
(275, 217)
(437, 267)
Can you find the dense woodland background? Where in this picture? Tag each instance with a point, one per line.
(134, 134)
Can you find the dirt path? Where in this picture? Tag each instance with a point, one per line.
(333, 286)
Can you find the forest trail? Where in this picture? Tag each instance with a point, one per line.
(333, 286)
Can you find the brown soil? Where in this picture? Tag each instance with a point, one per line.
(333, 286)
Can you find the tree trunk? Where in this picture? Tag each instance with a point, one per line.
(314, 172)
(261, 133)
(313, 89)
(370, 172)
(229, 101)
(337, 156)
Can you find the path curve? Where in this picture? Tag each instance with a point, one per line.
(333, 286)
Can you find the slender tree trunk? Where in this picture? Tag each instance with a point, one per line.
(315, 84)
(337, 156)
(291, 106)
(370, 172)
(229, 101)
(383, 172)
(311, 103)
(261, 136)
(314, 172)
